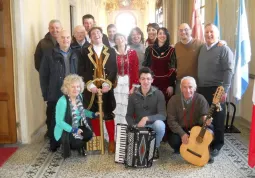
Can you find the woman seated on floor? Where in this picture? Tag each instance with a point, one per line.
(69, 116)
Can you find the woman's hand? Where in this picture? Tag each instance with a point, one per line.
(132, 90)
(97, 113)
(170, 91)
(79, 131)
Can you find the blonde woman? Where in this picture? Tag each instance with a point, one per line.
(69, 116)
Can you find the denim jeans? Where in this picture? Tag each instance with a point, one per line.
(159, 127)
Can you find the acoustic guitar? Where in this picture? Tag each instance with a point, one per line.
(196, 151)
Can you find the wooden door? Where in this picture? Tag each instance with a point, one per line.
(8, 133)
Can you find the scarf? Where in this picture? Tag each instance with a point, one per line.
(81, 110)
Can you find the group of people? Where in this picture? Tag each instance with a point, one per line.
(168, 88)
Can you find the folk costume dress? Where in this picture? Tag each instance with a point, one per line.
(128, 68)
(162, 62)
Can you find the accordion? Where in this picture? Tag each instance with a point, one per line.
(135, 146)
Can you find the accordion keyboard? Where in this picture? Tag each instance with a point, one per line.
(120, 143)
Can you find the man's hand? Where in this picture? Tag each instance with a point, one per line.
(142, 122)
(94, 90)
(185, 139)
(170, 91)
(209, 121)
(222, 43)
(105, 89)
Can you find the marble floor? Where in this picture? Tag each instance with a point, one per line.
(34, 160)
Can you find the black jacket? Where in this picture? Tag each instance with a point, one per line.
(75, 45)
(52, 73)
(43, 48)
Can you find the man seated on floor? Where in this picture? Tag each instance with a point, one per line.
(184, 111)
(147, 104)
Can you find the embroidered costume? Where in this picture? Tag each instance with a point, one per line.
(128, 67)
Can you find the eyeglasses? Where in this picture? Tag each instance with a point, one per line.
(184, 30)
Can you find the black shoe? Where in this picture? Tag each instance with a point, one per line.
(156, 154)
(177, 151)
(211, 160)
(46, 135)
(82, 152)
(53, 150)
(215, 152)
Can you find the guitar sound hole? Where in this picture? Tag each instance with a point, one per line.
(199, 139)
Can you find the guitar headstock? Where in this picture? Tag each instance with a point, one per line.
(217, 95)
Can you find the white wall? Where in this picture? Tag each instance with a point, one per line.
(30, 20)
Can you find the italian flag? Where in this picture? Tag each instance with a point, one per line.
(251, 156)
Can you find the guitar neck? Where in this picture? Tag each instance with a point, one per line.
(204, 127)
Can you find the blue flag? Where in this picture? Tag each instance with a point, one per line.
(217, 18)
(242, 54)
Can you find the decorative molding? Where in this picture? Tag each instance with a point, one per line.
(115, 5)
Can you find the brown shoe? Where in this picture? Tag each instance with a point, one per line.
(111, 148)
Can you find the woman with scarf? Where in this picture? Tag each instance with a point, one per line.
(128, 68)
(160, 57)
(72, 126)
(152, 34)
(136, 42)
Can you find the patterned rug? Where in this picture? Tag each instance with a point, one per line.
(237, 152)
(46, 164)
(232, 162)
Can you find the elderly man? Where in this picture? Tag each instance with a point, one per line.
(111, 31)
(184, 111)
(187, 51)
(215, 68)
(79, 40)
(46, 45)
(88, 21)
(99, 61)
(147, 104)
(54, 68)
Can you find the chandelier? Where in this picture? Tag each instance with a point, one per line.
(113, 5)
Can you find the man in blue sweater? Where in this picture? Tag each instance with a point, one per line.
(215, 68)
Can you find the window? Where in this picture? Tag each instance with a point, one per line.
(125, 22)
(159, 13)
